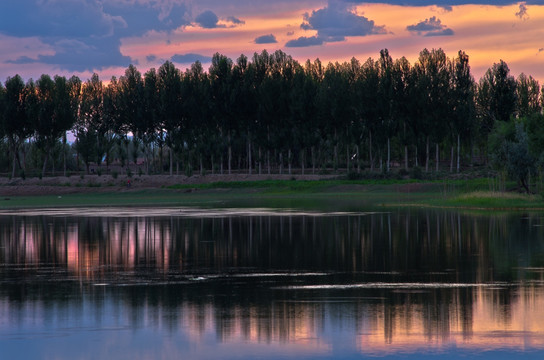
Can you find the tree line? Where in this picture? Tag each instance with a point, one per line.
(271, 114)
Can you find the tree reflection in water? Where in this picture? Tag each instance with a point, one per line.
(404, 281)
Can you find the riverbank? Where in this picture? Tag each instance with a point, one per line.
(242, 190)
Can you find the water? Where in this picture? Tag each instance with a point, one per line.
(266, 284)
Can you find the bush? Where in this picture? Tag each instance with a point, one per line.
(188, 170)
(99, 172)
(403, 172)
(129, 172)
(416, 173)
(353, 175)
(22, 175)
(114, 174)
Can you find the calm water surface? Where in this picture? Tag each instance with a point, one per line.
(263, 284)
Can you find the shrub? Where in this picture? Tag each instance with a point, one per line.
(416, 173)
(188, 170)
(353, 175)
(114, 174)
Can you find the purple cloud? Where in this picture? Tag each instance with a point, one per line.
(305, 41)
(336, 21)
(430, 27)
(266, 39)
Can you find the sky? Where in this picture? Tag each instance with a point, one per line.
(82, 37)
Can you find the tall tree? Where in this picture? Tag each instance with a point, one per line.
(433, 77)
(150, 129)
(131, 105)
(463, 105)
(527, 95)
(220, 74)
(89, 122)
(16, 123)
(169, 105)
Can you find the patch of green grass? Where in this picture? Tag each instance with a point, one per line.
(498, 200)
(272, 186)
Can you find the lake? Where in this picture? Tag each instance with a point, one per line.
(182, 283)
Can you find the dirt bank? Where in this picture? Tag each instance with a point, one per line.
(107, 183)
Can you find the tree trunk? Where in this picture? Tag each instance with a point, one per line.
(313, 160)
(64, 153)
(458, 152)
(171, 162)
(417, 161)
(268, 160)
(230, 154)
(281, 163)
(260, 161)
(357, 157)
(213, 164)
(388, 154)
(302, 161)
(347, 159)
(335, 157)
(406, 157)
(437, 157)
(427, 155)
(45, 162)
(289, 160)
(14, 161)
(370, 151)
(451, 159)
(249, 161)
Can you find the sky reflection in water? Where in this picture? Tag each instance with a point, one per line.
(404, 284)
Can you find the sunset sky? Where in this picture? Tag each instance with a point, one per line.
(80, 37)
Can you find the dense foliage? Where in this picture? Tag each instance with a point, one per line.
(271, 113)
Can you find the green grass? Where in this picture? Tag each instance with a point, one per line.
(331, 195)
(496, 200)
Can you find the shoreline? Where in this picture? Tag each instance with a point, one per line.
(244, 190)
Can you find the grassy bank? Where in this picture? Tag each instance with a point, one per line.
(312, 194)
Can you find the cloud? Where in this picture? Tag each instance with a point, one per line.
(266, 39)
(522, 13)
(190, 58)
(86, 34)
(208, 20)
(430, 27)
(305, 41)
(151, 58)
(447, 3)
(235, 20)
(337, 21)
